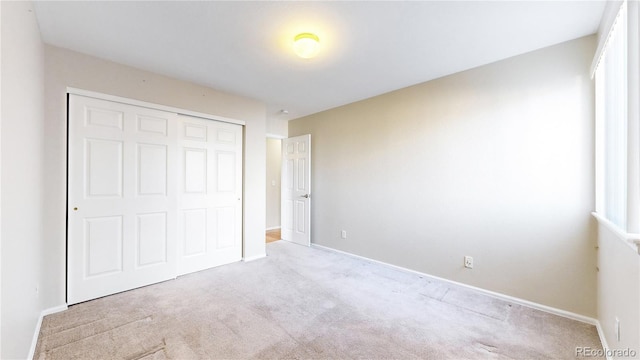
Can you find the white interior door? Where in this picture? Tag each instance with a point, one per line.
(122, 198)
(296, 190)
(210, 194)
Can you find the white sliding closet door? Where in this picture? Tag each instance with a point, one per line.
(122, 216)
(210, 194)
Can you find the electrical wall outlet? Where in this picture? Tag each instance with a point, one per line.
(343, 234)
(468, 262)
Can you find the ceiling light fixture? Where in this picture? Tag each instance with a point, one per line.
(306, 45)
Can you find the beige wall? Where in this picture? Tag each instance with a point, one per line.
(495, 162)
(277, 127)
(618, 290)
(66, 68)
(274, 160)
(22, 178)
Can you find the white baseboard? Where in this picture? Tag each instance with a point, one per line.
(508, 298)
(252, 258)
(36, 334)
(603, 339)
(273, 228)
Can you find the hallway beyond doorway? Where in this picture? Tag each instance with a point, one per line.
(273, 235)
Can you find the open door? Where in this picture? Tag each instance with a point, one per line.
(296, 190)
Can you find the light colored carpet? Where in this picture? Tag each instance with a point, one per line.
(301, 303)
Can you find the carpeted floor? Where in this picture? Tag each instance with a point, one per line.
(303, 303)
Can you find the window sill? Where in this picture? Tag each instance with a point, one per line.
(633, 240)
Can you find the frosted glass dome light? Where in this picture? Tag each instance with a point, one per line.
(306, 45)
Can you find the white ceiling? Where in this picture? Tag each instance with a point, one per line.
(368, 48)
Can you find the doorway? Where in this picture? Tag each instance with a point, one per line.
(274, 169)
(292, 197)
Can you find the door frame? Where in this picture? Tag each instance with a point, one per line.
(277, 137)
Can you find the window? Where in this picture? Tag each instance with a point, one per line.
(611, 125)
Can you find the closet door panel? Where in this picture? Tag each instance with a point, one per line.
(122, 198)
